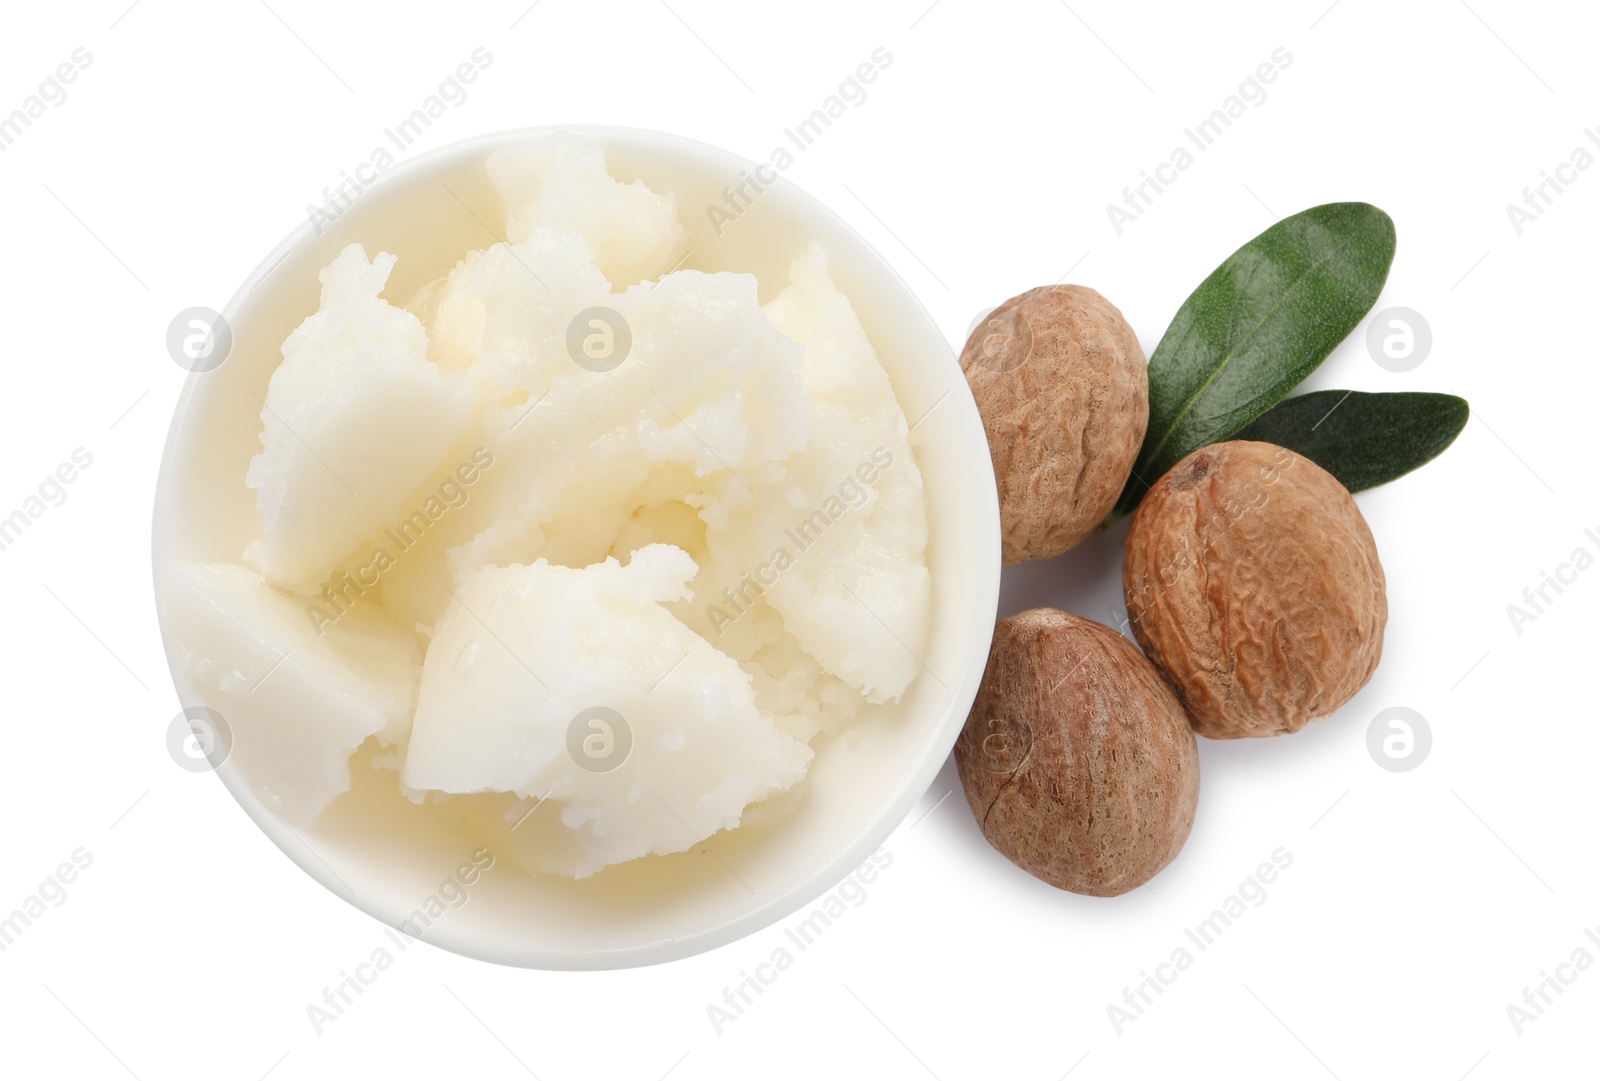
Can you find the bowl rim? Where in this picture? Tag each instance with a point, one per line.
(984, 579)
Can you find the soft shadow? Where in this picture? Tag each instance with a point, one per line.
(1087, 581)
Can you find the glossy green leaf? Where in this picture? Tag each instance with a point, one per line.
(1256, 327)
(1363, 439)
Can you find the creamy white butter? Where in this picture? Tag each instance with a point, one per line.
(638, 591)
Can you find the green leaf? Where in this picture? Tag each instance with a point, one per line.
(1257, 327)
(1363, 439)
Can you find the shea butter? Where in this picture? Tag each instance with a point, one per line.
(588, 524)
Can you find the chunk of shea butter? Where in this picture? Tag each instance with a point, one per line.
(848, 508)
(707, 396)
(297, 702)
(706, 399)
(561, 181)
(355, 418)
(577, 686)
(503, 312)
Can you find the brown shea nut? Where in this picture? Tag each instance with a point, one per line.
(1077, 759)
(1061, 384)
(1253, 583)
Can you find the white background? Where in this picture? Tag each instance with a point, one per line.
(1419, 905)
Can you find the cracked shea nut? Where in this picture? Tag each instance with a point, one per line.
(1062, 387)
(1077, 759)
(1253, 583)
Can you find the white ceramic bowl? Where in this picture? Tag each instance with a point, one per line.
(385, 854)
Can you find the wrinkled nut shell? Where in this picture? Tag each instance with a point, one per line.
(1077, 759)
(1061, 384)
(1253, 583)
